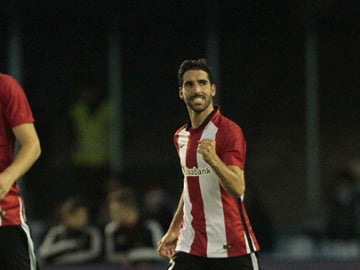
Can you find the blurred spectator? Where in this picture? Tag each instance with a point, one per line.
(129, 238)
(114, 182)
(344, 207)
(354, 169)
(90, 119)
(74, 240)
(159, 205)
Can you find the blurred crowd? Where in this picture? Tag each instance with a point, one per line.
(122, 233)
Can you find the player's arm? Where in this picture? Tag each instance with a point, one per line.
(28, 153)
(166, 246)
(231, 177)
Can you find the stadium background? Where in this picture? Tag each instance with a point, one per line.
(261, 80)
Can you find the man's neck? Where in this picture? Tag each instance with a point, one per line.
(198, 118)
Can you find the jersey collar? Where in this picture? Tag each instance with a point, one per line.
(206, 121)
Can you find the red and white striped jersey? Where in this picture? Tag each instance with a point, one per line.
(215, 223)
(14, 110)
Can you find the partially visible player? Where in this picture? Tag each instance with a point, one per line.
(16, 124)
(210, 229)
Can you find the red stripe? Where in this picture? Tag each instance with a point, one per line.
(233, 226)
(199, 245)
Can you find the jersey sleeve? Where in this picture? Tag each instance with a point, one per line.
(176, 137)
(234, 146)
(16, 106)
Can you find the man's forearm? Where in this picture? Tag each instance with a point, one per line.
(28, 153)
(24, 159)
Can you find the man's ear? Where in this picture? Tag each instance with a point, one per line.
(213, 89)
(181, 93)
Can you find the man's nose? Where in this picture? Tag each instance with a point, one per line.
(197, 87)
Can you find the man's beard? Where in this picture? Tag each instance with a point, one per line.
(197, 108)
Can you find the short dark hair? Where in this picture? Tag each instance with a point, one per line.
(123, 195)
(200, 64)
(71, 205)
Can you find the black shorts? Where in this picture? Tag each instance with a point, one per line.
(16, 248)
(185, 261)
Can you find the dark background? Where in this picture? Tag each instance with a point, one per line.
(262, 87)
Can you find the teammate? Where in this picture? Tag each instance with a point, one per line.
(210, 228)
(16, 124)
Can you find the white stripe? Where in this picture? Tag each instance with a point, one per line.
(187, 234)
(187, 231)
(254, 261)
(252, 242)
(183, 140)
(171, 264)
(247, 244)
(214, 218)
(213, 208)
(21, 210)
(26, 229)
(30, 243)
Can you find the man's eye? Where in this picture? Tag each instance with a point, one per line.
(203, 82)
(188, 84)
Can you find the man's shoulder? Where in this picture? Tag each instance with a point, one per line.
(225, 122)
(4, 76)
(7, 79)
(8, 82)
(180, 129)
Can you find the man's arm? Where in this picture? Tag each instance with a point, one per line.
(166, 246)
(231, 177)
(28, 153)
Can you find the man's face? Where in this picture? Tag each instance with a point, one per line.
(120, 212)
(77, 219)
(196, 91)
